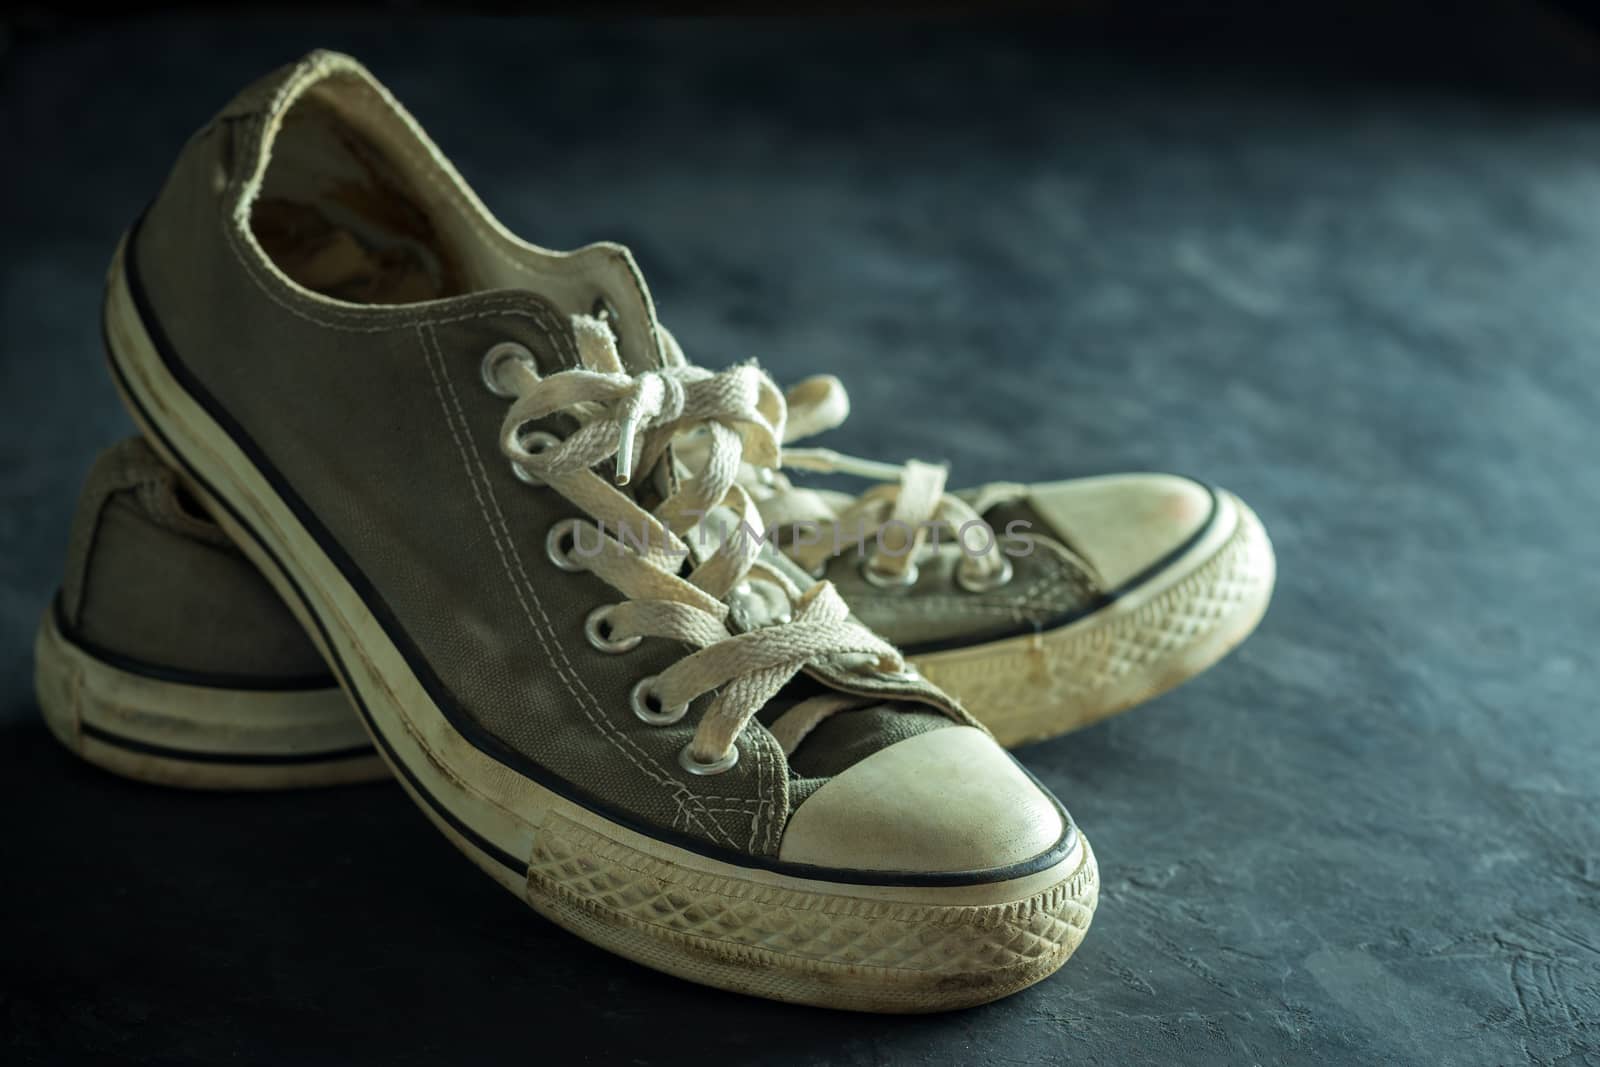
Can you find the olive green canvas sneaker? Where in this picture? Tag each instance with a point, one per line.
(453, 456)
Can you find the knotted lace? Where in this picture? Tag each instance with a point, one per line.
(641, 553)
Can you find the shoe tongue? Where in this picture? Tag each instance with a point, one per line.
(845, 738)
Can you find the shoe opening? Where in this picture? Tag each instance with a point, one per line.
(340, 210)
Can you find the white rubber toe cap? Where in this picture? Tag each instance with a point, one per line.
(944, 801)
(1123, 523)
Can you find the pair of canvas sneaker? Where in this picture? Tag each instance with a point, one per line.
(415, 497)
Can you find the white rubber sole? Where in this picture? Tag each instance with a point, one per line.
(1157, 636)
(749, 929)
(196, 736)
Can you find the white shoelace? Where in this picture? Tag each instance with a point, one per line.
(896, 519)
(635, 418)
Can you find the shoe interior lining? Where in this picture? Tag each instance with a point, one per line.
(357, 205)
(341, 215)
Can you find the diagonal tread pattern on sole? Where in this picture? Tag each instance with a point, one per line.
(735, 916)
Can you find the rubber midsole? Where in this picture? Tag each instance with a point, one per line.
(201, 724)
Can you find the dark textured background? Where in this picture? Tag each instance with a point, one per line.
(1346, 265)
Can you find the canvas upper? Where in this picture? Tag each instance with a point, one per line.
(150, 582)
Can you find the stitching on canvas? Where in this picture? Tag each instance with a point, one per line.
(507, 552)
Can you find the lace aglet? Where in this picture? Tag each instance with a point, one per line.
(625, 451)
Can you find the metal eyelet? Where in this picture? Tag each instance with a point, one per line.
(495, 359)
(595, 627)
(865, 664)
(559, 553)
(984, 583)
(887, 580)
(687, 761)
(640, 699)
(533, 443)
